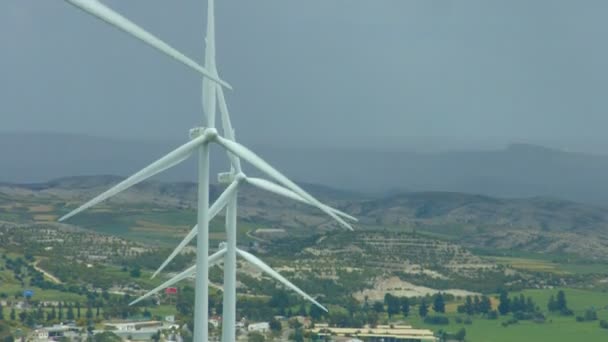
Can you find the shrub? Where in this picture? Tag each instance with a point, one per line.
(523, 316)
(438, 320)
(590, 315)
(492, 314)
(510, 322)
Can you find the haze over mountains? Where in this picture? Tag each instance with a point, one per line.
(518, 170)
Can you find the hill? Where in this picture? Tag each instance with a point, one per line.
(540, 225)
(151, 209)
(518, 170)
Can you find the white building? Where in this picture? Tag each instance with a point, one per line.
(261, 327)
(41, 335)
(215, 321)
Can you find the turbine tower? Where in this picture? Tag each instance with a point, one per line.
(201, 138)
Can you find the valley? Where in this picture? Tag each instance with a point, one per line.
(415, 245)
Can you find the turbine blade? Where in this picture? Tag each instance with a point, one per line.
(177, 250)
(113, 18)
(268, 270)
(173, 158)
(185, 274)
(262, 165)
(227, 127)
(279, 190)
(217, 206)
(213, 259)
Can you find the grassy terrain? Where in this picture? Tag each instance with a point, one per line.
(557, 328)
(163, 228)
(558, 264)
(11, 287)
(533, 265)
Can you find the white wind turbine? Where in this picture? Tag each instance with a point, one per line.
(201, 137)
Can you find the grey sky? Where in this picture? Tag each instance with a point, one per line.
(377, 70)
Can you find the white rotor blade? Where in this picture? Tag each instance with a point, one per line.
(268, 270)
(279, 190)
(227, 127)
(213, 259)
(259, 163)
(113, 18)
(173, 158)
(217, 206)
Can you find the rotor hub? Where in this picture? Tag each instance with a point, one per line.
(198, 131)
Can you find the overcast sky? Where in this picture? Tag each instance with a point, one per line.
(338, 72)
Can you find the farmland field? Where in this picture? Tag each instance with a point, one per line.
(557, 328)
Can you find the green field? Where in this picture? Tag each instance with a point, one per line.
(556, 328)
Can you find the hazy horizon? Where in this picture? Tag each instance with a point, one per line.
(321, 73)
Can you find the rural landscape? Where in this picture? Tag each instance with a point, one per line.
(404, 171)
(460, 265)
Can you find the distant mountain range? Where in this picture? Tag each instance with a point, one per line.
(497, 224)
(518, 170)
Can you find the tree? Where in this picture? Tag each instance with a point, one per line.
(552, 304)
(13, 314)
(505, 305)
(302, 310)
(185, 301)
(590, 315)
(106, 336)
(39, 313)
(70, 313)
(89, 313)
(522, 302)
(561, 300)
(515, 305)
(405, 306)
(51, 316)
(469, 308)
(60, 311)
(1, 312)
(423, 308)
(392, 304)
(561, 303)
(372, 318)
(135, 271)
(77, 309)
(279, 299)
(255, 337)
(275, 325)
(378, 307)
(316, 313)
(339, 318)
(30, 320)
(439, 303)
(485, 306)
(460, 335)
(530, 307)
(297, 336)
(477, 304)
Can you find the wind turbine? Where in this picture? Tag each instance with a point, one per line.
(201, 137)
